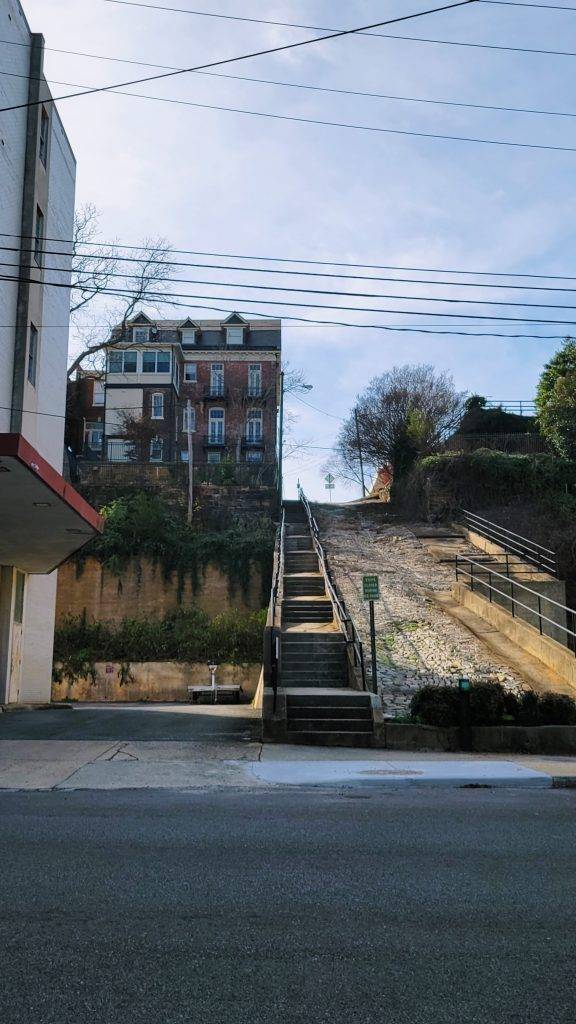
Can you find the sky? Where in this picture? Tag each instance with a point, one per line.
(229, 182)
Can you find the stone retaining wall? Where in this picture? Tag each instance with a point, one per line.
(154, 681)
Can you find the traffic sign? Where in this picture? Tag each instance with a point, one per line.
(370, 588)
(329, 482)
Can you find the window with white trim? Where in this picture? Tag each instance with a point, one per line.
(98, 393)
(254, 456)
(122, 361)
(185, 411)
(156, 449)
(217, 379)
(234, 335)
(140, 335)
(216, 426)
(255, 380)
(158, 406)
(213, 457)
(94, 436)
(254, 426)
(188, 336)
(156, 361)
(190, 373)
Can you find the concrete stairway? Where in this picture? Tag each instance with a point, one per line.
(321, 707)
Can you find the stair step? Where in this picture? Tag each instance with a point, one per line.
(353, 698)
(322, 711)
(334, 725)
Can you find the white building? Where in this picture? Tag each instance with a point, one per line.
(42, 518)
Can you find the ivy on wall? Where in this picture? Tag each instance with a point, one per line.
(188, 635)
(144, 525)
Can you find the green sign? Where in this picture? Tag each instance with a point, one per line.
(371, 588)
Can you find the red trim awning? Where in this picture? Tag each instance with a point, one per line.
(43, 519)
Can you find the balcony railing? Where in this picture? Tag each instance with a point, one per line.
(214, 440)
(253, 442)
(216, 392)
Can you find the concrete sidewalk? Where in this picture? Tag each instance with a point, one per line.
(88, 765)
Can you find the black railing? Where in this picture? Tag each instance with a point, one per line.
(543, 559)
(346, 623)
(488, 581)
(272, 630)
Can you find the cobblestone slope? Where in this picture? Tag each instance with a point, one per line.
(417, 642)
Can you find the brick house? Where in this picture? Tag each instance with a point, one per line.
(225, 373)
(85, 414)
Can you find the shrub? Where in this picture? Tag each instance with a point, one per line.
(557, 709)
(435, 705)
(186, 636)
(491, 704)
(487, 703)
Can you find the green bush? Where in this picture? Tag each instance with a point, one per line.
(186, 636)
(557, 709)
(492, 704)
(487, 703)
(435, 705)
(443, 483)
(144, 525)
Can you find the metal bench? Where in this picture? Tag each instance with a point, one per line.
(228, 689)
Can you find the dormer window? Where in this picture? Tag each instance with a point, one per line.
(140, 335)
(234, 335)
(188, 336)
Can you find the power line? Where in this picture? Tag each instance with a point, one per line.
(314, 291)
(326, 124)
(154, 296)
(506, 3)
(340, 92)
(265, 270)
(315, 407)
(157, 299)
(376, 35)
(306, 262)
(245, 56)
(300, 85)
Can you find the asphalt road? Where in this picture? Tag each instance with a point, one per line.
(229, 907)
(132, 723)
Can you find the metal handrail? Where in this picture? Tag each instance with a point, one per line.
(513, 584)
(272, 647)
(544, 559)
(344, 619)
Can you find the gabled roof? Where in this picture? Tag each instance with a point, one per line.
(188, 323)
(141, 318)
(235, 318)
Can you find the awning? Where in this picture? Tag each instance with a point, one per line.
(43, 520)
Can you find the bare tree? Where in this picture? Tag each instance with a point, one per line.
(91, 273)
(149, 279)
(401, 415)
(139, 431)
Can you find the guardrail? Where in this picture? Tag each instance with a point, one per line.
(479, 576)
(544, 559)
(346, 624)
(272, 645)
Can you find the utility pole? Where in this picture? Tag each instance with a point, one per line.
(190, 460)
(360, 452)
(280, 438)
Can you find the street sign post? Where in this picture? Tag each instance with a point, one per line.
(329, 483)
(371, 593)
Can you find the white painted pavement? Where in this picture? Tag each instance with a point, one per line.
(449, 773)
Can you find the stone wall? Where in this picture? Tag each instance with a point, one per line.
(142, 591)
(154, 681)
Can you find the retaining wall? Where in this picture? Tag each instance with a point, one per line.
(154, 682)
(142, 591)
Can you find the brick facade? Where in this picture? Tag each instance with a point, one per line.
(226, 371)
